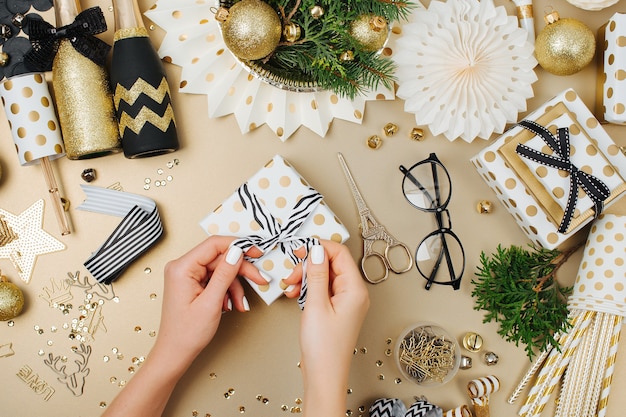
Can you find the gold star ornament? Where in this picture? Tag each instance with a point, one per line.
(22, 239)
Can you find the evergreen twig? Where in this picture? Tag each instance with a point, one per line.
(517, 288)
(316, 56)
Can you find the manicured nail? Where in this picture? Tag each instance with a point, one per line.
(229, 304)
(290, 288)
(246, 305)
(317, 254)
(233, 255)
(265, 277)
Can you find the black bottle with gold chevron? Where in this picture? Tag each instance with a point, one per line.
(141, 92)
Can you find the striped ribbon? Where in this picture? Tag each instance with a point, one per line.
(277, 236)
(139, 229)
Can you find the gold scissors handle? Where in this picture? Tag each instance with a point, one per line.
(372, 231)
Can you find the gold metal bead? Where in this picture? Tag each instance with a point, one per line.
(472, 341)
(316, 11)
(417, 134)
(390, 129)
(4, 59)
(291, 32)
(374, 142)
(466, 362)
(484, 207)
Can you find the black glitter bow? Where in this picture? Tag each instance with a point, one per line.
(45, 39)
(592, 186)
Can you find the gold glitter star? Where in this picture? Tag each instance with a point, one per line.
(31, 240)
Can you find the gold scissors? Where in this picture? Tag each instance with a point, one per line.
(373, 232)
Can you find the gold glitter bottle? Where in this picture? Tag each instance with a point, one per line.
(83, 96)
(142, 94)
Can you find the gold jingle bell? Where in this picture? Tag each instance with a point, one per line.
(472, 341)
(347, 56)
(484, 207)
(417, 134)
(374, 142)
(390, 129)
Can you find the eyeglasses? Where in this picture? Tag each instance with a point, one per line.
(427, 187)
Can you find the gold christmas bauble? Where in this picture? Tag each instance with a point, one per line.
(11, 299)
(370, 32)
(252, 29)
(564, 46)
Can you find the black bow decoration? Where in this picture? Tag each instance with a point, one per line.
(560, 145)
(45, 39)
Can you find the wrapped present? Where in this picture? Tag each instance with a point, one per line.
(611, 89)
(278, 211)
(555, 171)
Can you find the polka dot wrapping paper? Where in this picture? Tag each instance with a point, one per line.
(535, 194)
(33, 121)
(278, 187)
(611, 105)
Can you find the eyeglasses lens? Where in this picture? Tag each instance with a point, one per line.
(427, 186)
(437, 264)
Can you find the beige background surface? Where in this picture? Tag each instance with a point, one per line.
(255, 355)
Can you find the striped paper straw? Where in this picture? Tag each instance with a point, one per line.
(610, 366)
(555, 366)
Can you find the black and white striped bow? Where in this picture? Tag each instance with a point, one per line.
(282, 237)
(560, 145)
(140, 228)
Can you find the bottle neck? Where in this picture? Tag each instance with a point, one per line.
(127, 14)
(66, 11)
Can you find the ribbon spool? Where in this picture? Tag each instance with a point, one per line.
(479, 391)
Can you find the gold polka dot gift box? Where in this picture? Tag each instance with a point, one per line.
(611, 90)
(554, 170)
(277, 210)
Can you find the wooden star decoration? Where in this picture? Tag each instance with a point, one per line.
(27, 239)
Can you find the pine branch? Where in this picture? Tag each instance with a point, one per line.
(518, 289)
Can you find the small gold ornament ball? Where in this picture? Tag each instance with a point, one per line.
(11, 299)
(370, 31)
(565, 46)
(252, 29)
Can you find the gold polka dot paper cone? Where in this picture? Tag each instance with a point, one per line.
(611, 97)
(32, 119)
(601, 281)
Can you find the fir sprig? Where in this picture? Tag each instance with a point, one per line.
(316, 56)
(518, 289)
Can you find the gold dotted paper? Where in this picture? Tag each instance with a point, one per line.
(611, 106)
(279, 186)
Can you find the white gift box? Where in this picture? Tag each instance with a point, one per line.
(278, 187)
(611, 89)
(535, 194)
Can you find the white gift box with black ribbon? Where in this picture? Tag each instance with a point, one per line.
(555, 171)
(277, 211)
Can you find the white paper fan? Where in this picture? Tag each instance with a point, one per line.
(592, 5)
(194, 42)
(465, 68)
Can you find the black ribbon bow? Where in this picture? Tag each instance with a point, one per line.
(592, 186)
(45, 39)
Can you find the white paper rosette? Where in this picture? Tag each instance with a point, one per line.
(465, 68)
(592, 4)
(193, 41)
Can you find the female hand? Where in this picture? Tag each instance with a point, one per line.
(336, 304)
